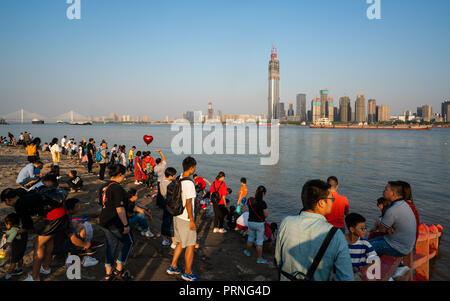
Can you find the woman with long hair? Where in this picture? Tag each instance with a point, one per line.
(138, 169)
(220, 210)
(257, 214)
(114, 223)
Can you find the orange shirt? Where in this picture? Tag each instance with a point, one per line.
(31, 150)
(336, 216)
(243, 192)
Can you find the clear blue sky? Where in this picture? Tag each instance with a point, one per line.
(165, 57)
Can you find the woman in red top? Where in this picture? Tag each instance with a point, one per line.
(219, 208)
(138, 173)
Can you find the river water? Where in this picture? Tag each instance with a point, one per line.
(362, 160)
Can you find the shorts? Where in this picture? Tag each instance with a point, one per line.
(52, 227)
(256, 233)
(18, 248)
(183, 233)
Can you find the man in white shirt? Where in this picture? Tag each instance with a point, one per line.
(184, 225)
(63, 144)
(30, 174)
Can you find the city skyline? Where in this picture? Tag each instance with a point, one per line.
(164, 59)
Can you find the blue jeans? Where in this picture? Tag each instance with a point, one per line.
(383, 248)
(167, 223)
(256, 233)
(113, 237)
(140, 220)
(28, 180)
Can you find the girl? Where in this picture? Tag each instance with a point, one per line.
(138, 173)
(55, 150)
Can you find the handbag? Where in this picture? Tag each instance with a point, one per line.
(267, 229)
(85, 159)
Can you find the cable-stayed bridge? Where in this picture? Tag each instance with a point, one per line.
(23, 116)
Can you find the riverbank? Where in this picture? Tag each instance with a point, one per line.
(219, 258)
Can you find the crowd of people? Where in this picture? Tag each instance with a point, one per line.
(320, 228)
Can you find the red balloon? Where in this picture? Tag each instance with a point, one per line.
(148, 139)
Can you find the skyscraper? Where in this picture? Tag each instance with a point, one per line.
(315, 109)
(210, 111)
(323, 103)
(427, 113)
(301, 107)
(360, 108)
(419, 111)
(291, 109)
(345, 109)
(445, 111)
(330, 108)
(382, 113)
(274, 86)
(371, 110)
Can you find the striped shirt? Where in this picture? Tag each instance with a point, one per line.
(360, 252)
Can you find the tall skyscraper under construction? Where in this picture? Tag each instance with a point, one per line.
(274, 86)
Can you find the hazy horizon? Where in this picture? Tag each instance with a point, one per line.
(153, 58)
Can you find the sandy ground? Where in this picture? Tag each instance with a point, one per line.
(219, 258)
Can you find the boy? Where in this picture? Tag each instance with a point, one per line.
(137, 215)
(242, 195)
(75, 182)
(17, 243)
(202, 182)
(167, 219)
(184, 225)
(361, 251)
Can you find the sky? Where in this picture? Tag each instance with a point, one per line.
(161, 58)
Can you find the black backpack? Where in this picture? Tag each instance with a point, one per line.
(215, 196)
(174, 197)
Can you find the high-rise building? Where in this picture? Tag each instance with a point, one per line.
(427, 113)
(274, 86)
(198, 116)
(330, 108)
(445, 111)
(280, 109)
(419, 111)
(360, 108)
(210, 111)
(323, 103)
(345, 109)
(315, 109)
(382, 113)
(371, 110)
(189, 116)
(291, 109)
(301, 107)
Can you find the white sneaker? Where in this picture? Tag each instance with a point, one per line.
(147, 234)
(400, 271)
(222, 231)
(29, 278)
(44, 271)
(173, 246)
(89, 261)
(165, 242)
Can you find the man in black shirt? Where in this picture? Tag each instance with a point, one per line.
(91, 150)
(53, 218)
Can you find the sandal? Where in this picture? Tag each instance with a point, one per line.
(109, 277)
(123, 275)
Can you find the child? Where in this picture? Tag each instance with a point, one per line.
(242, 198)
(138, 215)
(361, 251)
(75, 182)
(17, 242)
(382, 204)
(242, 223)
(167, 218)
